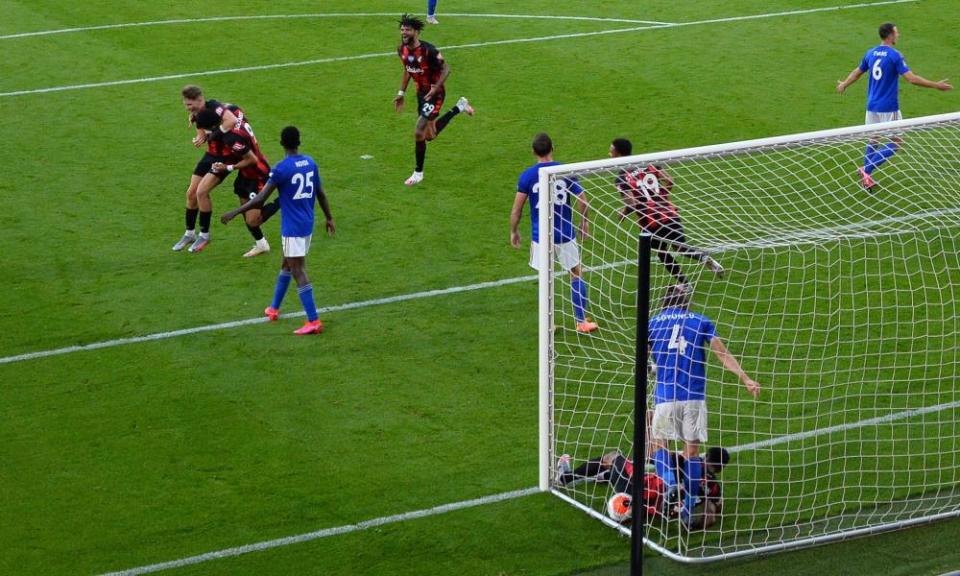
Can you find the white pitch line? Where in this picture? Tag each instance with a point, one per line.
(289, 540)
(238, 323)
(447, 48)
(857, 230)
(313, 15)
(842, 427)
(260, 546)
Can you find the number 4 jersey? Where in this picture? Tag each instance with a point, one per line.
(678, 342)
(529, 184)
(298, 179)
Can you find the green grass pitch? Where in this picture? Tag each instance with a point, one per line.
(149, 452)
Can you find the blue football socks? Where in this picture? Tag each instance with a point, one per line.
(283, 282)
(578, 293)
(306, 298)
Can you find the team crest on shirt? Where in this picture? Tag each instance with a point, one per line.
(410, 58)
(238, 146)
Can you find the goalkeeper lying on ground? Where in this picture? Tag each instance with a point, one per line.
(676, 487)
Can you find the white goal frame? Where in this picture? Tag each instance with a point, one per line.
(548, 274)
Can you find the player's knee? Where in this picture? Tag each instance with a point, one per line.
(253, 218)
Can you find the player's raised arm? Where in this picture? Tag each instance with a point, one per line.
(516, 213)
(854, 75)
(731, 364)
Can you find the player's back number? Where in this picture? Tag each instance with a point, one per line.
(560, 193)
(304, 183)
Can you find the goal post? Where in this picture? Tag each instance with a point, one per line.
(842, 303)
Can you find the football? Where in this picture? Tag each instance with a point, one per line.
(619, 507)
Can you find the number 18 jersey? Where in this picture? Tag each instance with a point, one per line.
(297, 179)
(678, 340)
(529, 184)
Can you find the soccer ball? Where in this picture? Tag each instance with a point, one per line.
(619, 507)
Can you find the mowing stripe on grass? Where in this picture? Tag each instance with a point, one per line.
(268, 544)
(857, 230)
(393, 54)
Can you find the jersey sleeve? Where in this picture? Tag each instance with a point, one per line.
(435, 57)
(707, 329)
(573, 184)
(865, 62)
(276, 174)
(522, 185)
(902, 67)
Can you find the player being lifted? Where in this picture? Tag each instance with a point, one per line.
(199, 203)
(886, 65)
(646, 193)
(240, 152)
(423, 62)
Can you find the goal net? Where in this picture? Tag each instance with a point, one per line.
(842, 303)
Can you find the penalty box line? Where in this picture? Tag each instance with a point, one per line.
(444, 508)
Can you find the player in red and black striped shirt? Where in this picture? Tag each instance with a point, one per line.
(697, 500)
(646, 193)
(239, 151)
(198, 193)
(424, 63)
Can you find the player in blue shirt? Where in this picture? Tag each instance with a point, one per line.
(678, 340)
(564, 235)
(885, 65)
(298, 180)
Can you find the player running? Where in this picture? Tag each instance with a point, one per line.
(424, 63)
(298, 179)
(646, 192)
(886, 64)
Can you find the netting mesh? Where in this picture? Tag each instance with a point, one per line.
(842, 304)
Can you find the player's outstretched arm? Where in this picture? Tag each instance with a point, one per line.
(916, 80)
(731, 364)
(850, 79)
(516, 213)
(325, 206)
(261, 197)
